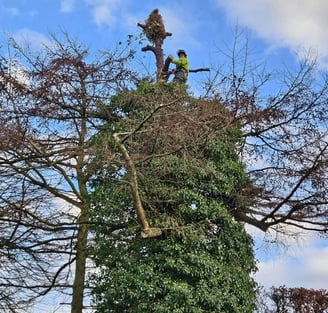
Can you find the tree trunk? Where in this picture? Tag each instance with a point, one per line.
(80, 263)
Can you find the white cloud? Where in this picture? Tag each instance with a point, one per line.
(290, 257)
(302, 266)
(67, 6)
(295, 24)
(34, 39)
(307, 269)
(104, 11)
(12, 11)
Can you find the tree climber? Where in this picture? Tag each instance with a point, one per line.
(182, 66)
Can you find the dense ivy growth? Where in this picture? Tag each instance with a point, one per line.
(189, 175)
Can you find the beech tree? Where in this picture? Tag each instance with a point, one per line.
(51, 107)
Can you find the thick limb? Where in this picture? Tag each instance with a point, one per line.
(146, 231)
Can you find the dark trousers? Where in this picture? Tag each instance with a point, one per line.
(180, 76)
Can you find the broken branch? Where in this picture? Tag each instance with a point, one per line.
(146, 231)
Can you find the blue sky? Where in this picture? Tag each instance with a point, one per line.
(279, 31)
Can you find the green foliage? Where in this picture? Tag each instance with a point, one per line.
(193, 271)
(188, 170)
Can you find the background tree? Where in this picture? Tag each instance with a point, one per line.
(283, 118)
(295, 300)
(51, 107)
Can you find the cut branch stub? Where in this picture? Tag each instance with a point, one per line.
(202, 69)
(154, 28)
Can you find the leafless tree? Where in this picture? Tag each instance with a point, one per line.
(283, 117)
(52, 103)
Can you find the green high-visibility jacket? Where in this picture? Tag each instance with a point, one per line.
(182, 63)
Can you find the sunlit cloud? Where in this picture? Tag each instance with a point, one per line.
(306, 269)
(290, 256)
(297, 25)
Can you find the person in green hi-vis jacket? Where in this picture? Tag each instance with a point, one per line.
(182, 67)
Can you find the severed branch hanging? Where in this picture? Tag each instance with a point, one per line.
(146, 231)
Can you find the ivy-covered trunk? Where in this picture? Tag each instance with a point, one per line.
(189, 175)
